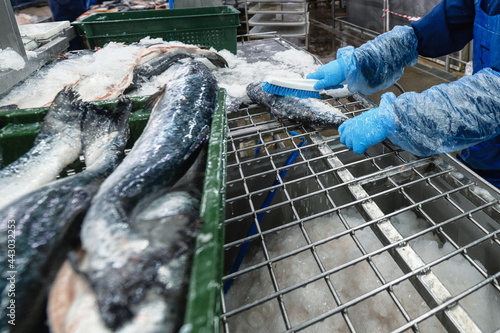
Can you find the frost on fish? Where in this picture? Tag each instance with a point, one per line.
(126, 258)
(186, 50)
(109, 73)
(106, 73)
(56, 146)
(48, 219)
(169, 55)
(169, 221)
(309, 111)
(41, 88)
(147, 87)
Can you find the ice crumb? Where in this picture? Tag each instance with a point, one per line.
(374, 314)
(457, 175)
(484, 194)
(22, 19)
(205, 237)
(339, 93)
(235, 78)
(31, 54)
(114, 60)
(10, 59)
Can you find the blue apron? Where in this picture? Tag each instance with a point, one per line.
(484, 158)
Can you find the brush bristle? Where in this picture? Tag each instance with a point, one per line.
(283, 91)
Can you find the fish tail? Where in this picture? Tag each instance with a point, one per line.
(64, 111)
(193, 178)
(122, 114)
(218, 60)
(99, 121)
(194, 52)
(153, 99)
(66, 96)
(215, 58)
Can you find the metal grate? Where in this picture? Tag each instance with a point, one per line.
(342, 242)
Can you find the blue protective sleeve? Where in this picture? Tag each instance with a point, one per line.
(448, 117)
(379, 63)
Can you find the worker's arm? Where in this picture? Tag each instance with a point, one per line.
(447, 28)
(374, 66)
(444, 118)
(378, 64)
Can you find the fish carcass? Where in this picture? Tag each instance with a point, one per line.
(308, 111)
(162, 58)
(124, 5)
(105, 79)
(56, 146)
(47, 221)
(172, 218)
(123, 259)
(40, 89)
(106, 73)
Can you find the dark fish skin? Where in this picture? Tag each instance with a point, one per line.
(310, 111)
(9, 107)
(56, 146)
(171, 223)
(158, 65)
(198, 52)
(152, 68)
(48, 220)
(116, 251)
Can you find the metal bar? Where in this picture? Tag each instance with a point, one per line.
(447, 63)
(371, 223)
(450, 302)
(458, 208)
(256, 175)
(267, 258)
(455, 319)
(362, 30)
(328, 171)
(359, 180)
(269, 198)
(387, 26)
(354, 202)
(44, 54)
(424, 269)
(10, 36)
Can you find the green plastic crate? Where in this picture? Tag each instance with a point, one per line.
(19, 128)
(208, 26)
(203, 306)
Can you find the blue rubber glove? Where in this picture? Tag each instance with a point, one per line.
(330, 76)
(367, 129)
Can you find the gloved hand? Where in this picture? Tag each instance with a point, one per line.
(330, 76)
(367, 129)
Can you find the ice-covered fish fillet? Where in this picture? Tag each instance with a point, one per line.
(309, 111)
(123, 256)
(47, 221)
(56, 146)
